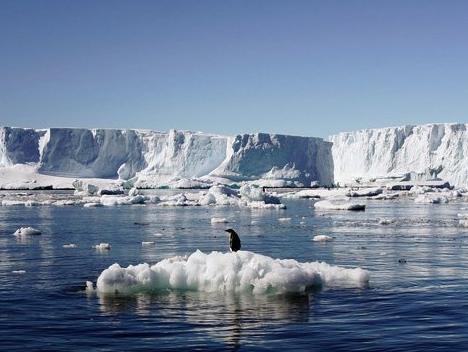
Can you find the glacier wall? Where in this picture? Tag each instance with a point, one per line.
(433, 150)
(156, 158)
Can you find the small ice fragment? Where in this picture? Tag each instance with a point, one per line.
(102, 246)
(27, 231)
(89, 287)
(70, 245)
(322, 238)
(158, 235)
(19, 271)
(92, 205)
(386, 221)
(219, 220)
(284, 219)
(338, 205)
(147, 243)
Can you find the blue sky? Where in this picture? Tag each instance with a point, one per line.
(296, 67)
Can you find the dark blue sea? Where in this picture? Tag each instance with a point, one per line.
(417, 298)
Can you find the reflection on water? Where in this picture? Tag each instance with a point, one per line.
(226, 317)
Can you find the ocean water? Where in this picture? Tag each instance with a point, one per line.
(417, 298)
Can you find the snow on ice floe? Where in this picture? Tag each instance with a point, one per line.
(338, 204)
(322, 238)
(27, 231)
(242, 271)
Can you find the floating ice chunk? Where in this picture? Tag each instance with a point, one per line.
(158, 235)
(242, 271)
(133, 192)
(12, 203)
(430, 199)
(147, 243)
(338, 205)
(89, 287)
(66, 202)
(18, 272)
(84, 188)
(186, 183)
(27, 231)
(284, 219)
(219, 220)
(178, 200)
(322, 238)
(387, 196)
(107, 200)
(365, 192)
(102, 246)
(463, 222)
(70, 245)
(92, 205)
(251, 193)
(386, 221)
(220, 195)
(263, 205)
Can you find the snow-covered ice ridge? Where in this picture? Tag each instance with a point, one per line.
(407, 152)
(153, 159)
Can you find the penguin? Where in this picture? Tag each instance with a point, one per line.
(234, 240)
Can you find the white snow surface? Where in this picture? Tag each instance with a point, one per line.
(415, 152)
(150, 159)
(242, 271)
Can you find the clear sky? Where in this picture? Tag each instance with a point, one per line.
(296, 67)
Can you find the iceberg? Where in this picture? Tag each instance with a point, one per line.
(418, 153)
(151, 159)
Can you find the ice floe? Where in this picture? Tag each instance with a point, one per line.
(27, 231)
(242, 271)
(322, 238)
(338, 204)
(70, 245)
(219, 220)
(430, 199)
(102, 246)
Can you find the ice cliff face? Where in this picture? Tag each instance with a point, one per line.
(155, 158)
(19, 145)
(270, 156)
(425, 151)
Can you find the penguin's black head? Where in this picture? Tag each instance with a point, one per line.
(231, 231)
